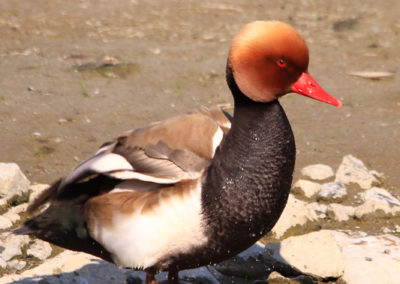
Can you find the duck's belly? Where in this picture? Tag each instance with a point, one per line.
(142, 229)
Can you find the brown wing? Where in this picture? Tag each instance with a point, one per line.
(166, 152)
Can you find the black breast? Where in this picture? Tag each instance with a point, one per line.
(246, 187)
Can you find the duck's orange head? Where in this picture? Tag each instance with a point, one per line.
(270, 59)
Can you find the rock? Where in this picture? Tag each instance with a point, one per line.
(340, 212)
(296, 213)
(70, 267)
(316, 254)
(319, 209)
(16, 264)
(5, 223)
(353, 170)
(378, 203)
(333, 191)
(306, 188)
(317, 172)
(40, 250)
(3, 263)
(3, 203)
(13, 217)
(13, 183)
(19, 208)
(37, 189)
(12, 245)
(369, 259)
(276, 277)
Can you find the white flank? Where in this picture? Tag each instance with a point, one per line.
(217, 138)
(99, 164)
(172, 226)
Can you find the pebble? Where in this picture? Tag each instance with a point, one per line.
(353, 171)
(16, 264)
(5, 223)
(12, 245)
(341, 213)
(40, 249)
(318, 172)
(306, 188)
(296, 213)
(13, 182)
(333, 191)
(378, 203)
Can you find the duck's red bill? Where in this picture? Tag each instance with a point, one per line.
(307, 86)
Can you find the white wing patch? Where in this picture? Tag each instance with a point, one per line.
(102, 163)
(140, 240)
(217, 138)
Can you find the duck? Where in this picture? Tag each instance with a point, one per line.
(195, 189)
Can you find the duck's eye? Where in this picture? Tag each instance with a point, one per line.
(282, 63)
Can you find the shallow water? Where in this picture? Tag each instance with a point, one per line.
(170, 58)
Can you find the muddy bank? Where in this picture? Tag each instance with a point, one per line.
(170, 58)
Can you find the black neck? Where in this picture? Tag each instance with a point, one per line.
(247, 185)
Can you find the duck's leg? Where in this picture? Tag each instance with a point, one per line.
(173, 276)
(150, 279)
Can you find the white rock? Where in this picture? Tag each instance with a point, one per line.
(369, 259)
(353, 170)
(19, 208)
(37, 189)
(333, 191)
(5, 223)
(40, 249)
(318, 172)
(316, 254)
(3, 263)
(13, 217)
(3, 202)
(378, 199)
(306, 187)
(341, 212)
(319, 209)
(295, 213)
(12, 245)
(12, 181)
(71, 265)
(16, 264)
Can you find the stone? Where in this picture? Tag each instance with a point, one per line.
(340, 212)
(306, 188)
(316, 254)
(353, 171)
(319, 209)
(69, 267)
(40, 249)
(333, 191)
(12, 245)
(276, 277)
(5, 223)
(369, 259)
(13, 183)
(3, 263)
(36, 190)
(13, 217)
(296, 213)
(378, 203)
(317, 172)
(16, 264)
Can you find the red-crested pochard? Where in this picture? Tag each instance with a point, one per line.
(195, 189)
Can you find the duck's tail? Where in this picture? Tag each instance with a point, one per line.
(63, 222)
